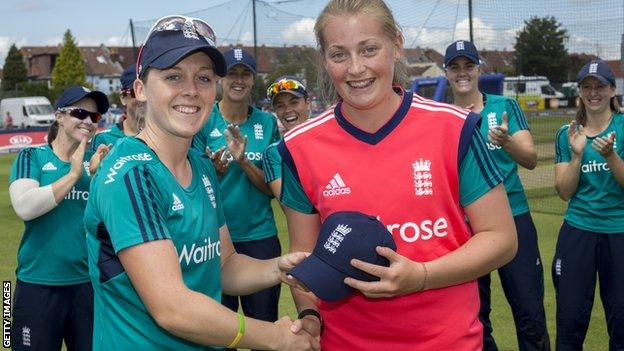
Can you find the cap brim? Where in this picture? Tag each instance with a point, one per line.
(243, 64)
(101, 100)
(472, 59)
(326, 282)
(291, 92)
(602, 79)
(172, 57)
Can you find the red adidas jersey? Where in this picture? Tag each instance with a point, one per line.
(407, 174)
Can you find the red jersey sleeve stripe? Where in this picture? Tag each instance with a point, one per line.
(440, 108)
(304, 128)
(422, 100)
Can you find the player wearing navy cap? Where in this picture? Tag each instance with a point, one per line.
(132, 120)
(239, 133)
(421, 167)
(291, 104)
(510, 143)
(160, 252)
(589, 174)
(49, 188)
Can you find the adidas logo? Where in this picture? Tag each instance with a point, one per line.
(177, 204)
(336, 187)
(215, 133)
(48, 167)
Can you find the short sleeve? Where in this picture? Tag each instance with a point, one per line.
(292, 194)
(271, 164)
(478, 172)
(25, 165)
(131, 209)
(562, 148)
(199, 140)
(516, 118)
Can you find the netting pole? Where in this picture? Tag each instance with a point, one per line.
(253, 2)
(134, 49)
(470, 19)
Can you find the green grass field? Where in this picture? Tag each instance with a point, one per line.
(504, 330)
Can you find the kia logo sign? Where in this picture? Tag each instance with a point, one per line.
(20, 140)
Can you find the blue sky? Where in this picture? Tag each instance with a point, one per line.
(595, 26)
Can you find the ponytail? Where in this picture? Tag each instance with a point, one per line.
(53, 132)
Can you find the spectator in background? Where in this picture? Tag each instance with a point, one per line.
(511, 144)
(133, 117)
(238, 133)
(8, 121)
(589, 174)
(49, 188)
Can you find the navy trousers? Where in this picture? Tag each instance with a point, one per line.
(582, 256)
(523, 284)
(44, 316)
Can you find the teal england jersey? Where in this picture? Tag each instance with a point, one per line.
(247, 210)
(108, 136)
(598, 203)
(492, 115)
(53, 249)
(272, 163)
(135, 199)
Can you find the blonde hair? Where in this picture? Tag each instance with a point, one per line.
(374, 8)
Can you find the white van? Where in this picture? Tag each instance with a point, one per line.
(33, 111)
(535, 85)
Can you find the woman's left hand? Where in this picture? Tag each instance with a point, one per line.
(604, 145)
(97, 157)
(286, 263)
(403, 276)
(499, 135)
(236, 142)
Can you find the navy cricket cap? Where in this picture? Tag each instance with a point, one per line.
(343, 237)
(168, 45)
(76, 93)
(599, 70)
(461, 48)
(128, 76)
(237, 56)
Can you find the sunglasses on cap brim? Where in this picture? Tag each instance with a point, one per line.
(285, 85)
(189, 25)
(81, 113)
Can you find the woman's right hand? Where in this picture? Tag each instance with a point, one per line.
(77, 159)
(295, 341)
(576, 138)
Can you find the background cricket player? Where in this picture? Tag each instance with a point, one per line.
(510, 143)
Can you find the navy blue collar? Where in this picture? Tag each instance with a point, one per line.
(375, 138)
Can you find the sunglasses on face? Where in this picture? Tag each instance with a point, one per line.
(81, 114)
(128, 93)
(285, 84)
(190, 26)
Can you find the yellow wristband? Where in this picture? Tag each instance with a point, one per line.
(240, 333)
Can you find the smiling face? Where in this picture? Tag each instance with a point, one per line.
(596, 95)
(291, 110)
(179, 99)
(359, 58)
(73, 128)
(463, 76)
(237, 83)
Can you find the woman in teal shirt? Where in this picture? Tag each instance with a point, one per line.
(49, 187)
(589, 174)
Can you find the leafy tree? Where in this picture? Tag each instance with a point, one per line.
(69, 68)
(540, 49)
(38, 89)
(14, 70)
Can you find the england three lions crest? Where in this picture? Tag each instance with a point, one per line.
(423, 186)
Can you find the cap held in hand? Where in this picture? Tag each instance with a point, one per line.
(343, 237)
